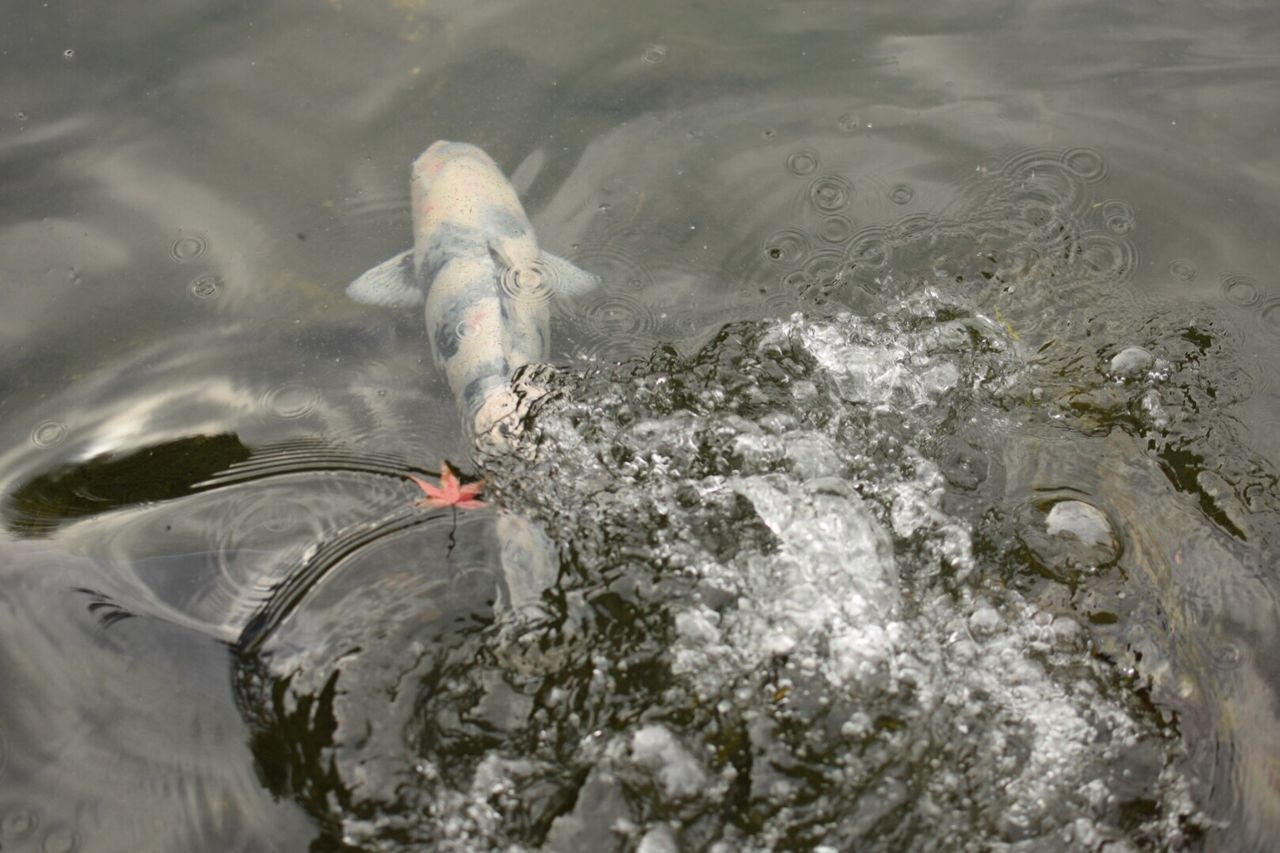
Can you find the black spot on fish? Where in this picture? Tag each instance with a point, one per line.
(448, 242)
(504, 223)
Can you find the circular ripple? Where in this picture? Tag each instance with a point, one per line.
(868, 249)
(901, 193)
(788, 247)
(189, 247)
(1269, 316)
(1118, 216)
(530, 284)
(207, 286)
(1085, 163)
(830, 193)
(49, 434)
(835, 229)
(618, 316)
(1182, 269)
(910, 228)
(1107, 255)
(654, 54)
(289, 401)
(1240, 290)
(60, 839)
(18, 823)
(1044, 189)
(802, 162)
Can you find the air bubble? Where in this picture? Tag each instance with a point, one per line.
(802, 162)
(654, 54)
(1182, 269)
(207, 286)
(1240, 290)
(835, 229)
(768, 133)
(69, 53)
(1085, 163)
(1118, 217)
(49, 434)
(18, 823)
(1269, 316)
(289, 401)
(788, 247)
(901, 194)
(20, 115)
(189, 247)
(830, 193)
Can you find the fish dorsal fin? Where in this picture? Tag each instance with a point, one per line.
(393, 283)
(569, 280)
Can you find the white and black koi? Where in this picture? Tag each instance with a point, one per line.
(476, 266)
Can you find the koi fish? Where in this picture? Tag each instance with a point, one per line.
(476, 266)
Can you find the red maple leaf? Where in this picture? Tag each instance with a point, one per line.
(450, 492)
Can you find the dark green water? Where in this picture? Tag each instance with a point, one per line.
(801, 583)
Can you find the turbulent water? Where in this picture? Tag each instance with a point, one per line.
(827, 581)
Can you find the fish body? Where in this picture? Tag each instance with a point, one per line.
(477, 269)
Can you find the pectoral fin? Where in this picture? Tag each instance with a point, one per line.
(393, 283)
(569, 280)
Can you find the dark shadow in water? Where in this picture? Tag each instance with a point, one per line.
(37, 508)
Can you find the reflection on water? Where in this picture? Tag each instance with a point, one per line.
(1046, 430)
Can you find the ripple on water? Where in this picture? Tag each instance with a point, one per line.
(1107, 255)
(901, 193)
(654, 54)
(18, 822)
(1086, 164)
(1269, 316)
(49, 434)
(803, 162)
(1118, 216)
(830, 193)
(1182, 269)
(205, 287)
(1240, 290)
(189, 247)
(532, 284)
(787, 247)
(290, 401)
(835, 229)
(618, 324)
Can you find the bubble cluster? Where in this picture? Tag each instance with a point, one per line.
(290, 401)
(205, 287)
(49, 434)
(1240, 290)
(802, 162)
(848, 123)
(830, 194)
(188, 247)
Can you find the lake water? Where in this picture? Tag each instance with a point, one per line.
(910, 481)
